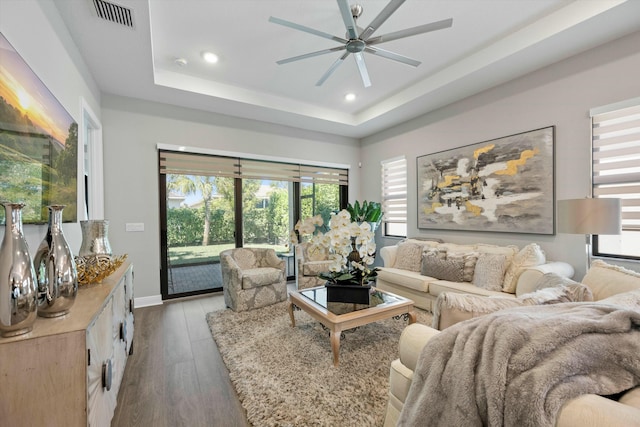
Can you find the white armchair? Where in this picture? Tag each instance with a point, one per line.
(252, 278)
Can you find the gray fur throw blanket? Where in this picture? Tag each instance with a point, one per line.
(518, 366)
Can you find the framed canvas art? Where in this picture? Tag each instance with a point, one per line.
(501, 185)
(38, 143)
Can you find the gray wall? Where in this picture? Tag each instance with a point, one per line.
(559, 95)
(132, 131)
(36, 31)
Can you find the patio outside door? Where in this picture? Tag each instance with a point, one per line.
(200, 223)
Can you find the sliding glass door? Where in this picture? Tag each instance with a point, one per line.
(200, 223)
(212, 203)
(266, 219)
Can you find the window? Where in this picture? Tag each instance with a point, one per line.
(616, 173)
(394, 196)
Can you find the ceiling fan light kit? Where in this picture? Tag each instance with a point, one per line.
(358, 40)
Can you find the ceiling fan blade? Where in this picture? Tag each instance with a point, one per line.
(306, 29)
(390, 55)
(362, 67)
(347, 17)
(381, 18)
(310, 55)
(420, 29)
(331, 69)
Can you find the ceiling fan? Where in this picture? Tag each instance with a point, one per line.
(359, 40)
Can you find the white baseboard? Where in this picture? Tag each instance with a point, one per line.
(148, 301)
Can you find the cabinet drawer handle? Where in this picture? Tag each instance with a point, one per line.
(106, 375)
(123, 331)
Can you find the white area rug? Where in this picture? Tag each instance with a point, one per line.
(285, 376)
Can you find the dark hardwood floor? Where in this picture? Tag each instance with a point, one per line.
(176, 376)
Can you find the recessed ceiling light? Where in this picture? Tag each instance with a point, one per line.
(211, 58)
(181, 62)
(350, 97)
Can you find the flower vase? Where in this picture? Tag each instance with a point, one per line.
(55, 269)
(18, 298)
(95, 239)
(349, 293)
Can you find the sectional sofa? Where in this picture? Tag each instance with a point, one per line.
(423, 269)
(608, 284)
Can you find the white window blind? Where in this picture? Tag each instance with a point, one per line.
(394, 196)
(180, 163)
(616, 160)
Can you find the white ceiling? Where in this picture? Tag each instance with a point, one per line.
(490, 42)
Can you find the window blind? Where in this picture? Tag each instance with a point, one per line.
(180, 163)
(616, 160)
(394, 196)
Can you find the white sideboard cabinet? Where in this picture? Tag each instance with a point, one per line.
(67, 371)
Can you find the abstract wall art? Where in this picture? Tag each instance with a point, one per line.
(501, 185)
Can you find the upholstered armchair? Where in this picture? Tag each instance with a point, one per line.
(252, 278)
(310, 261)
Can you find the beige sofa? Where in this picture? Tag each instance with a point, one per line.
(589, 410)
(422, 269)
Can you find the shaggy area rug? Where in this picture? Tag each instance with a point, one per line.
(285, 376)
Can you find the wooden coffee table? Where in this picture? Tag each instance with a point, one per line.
(339, 316)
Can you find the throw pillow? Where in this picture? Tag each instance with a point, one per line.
(530, 256)
(435, 252)
(551, 280)
(409, 256)
(606, 280)
(489, 271)
(443, 269)
(552, 288)
(469, 260)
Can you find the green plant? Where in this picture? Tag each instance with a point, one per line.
(366, 212)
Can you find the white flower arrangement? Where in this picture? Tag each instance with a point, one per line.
(351, 246)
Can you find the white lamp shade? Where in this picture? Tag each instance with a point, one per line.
(589, 216)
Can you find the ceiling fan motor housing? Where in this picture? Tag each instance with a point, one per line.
(355, 46)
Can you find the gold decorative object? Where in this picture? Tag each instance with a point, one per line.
(95, 268)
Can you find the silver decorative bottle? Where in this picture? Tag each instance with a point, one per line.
(17, 278)
(55, 269)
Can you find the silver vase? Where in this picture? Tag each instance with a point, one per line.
(55, 269)
(18, 305)
(95, 239)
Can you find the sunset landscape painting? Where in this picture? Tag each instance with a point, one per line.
(38, 143)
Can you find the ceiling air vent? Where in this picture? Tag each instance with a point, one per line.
(114, 13)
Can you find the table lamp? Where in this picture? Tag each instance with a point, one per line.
(589, 216)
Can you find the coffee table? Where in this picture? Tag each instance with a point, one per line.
(340, 316)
